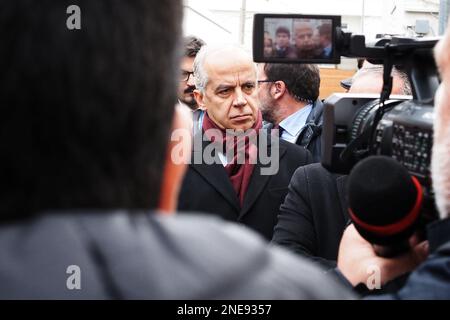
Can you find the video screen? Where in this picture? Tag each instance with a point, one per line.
(295, 38)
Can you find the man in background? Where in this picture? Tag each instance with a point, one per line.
(236, 190)
(288, 97)
(283, 46)
(325, 36)
(186, 84)
(305, 42)
(363, 81)
(268, 45)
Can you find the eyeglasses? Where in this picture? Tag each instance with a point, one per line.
(262, 81)
(184, 75)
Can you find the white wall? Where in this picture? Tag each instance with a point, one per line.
(204, 24)
(380, 16)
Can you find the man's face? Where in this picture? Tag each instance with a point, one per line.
(186, 87)
(231, 95)
(282, 40)
(440, 166)
(266, 101)
(304, 37)
(324, 40)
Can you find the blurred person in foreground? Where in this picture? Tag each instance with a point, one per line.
(85, 164)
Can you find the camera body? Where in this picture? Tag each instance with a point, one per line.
(357, 126)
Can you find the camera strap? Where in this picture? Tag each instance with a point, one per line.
(387, 80)
(352, 153)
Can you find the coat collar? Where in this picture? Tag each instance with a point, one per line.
(216, 176)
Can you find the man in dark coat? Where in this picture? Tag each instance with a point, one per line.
(283, 47)
(314, 214)
(236, 192)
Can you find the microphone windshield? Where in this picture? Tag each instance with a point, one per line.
(384, 200)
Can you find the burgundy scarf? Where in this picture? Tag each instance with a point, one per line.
(239, 174)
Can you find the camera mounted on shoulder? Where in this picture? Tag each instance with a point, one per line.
(356, 126)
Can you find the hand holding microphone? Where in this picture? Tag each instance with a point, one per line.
(384, 204)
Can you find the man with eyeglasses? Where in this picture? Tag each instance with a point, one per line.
(237, 171)
(288, 95)
(186, 84)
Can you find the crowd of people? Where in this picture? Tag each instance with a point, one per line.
(238, 208)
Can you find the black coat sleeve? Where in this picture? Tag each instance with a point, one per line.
(295, 228)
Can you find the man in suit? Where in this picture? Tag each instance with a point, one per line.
(83, 146)
(186, 86)
(325, 36)
(289, 101)
(314, 213)
(227, 88)
(283, 47)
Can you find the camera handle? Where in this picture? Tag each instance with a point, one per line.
(352, 150)
(387, 79)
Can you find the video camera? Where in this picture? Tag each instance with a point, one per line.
(357, 126)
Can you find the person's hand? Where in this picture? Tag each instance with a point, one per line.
(357, 259)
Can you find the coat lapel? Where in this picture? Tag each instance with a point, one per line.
(216, 176)
(258, 181)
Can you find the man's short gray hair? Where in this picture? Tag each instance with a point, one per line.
(200, 74)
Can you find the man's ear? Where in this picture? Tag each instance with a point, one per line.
(199, 97)
(278, 89)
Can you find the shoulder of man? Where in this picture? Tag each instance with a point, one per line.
(132, 255)
(259, 271)
(294, 151)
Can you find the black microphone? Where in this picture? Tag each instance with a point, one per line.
(384, 203)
